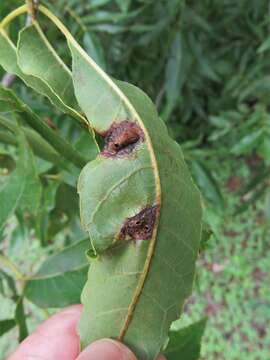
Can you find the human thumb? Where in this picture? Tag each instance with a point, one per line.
(106, 349)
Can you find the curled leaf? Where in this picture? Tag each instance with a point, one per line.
(142, 212)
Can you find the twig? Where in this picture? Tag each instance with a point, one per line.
(32, 11)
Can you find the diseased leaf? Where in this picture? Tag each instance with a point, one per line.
(142, 212)
(186, 343)
(60, 279)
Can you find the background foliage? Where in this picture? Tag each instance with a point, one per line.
(206, 66)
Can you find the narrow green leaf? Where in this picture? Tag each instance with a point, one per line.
(123, 5)
(248, 142)
(60, 279)
(6, 325)
(186, 343)
(207, 183)
(9, 102)
(20, 319)
(22, 187)
(174, 74)
(47, 205)
(146, 281)
(40, 147)
(51, 76)
(10, 288)
(264, 46)
(31, 195)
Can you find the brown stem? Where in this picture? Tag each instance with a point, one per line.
(32, 11)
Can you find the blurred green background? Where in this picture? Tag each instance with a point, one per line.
(206, 65)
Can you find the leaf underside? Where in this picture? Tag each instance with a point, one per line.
(135, 287)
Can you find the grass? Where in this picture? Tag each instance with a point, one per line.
(232, 286)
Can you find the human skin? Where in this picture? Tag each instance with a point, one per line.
(57, 339)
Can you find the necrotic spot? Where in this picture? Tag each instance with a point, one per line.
(140, 226)
(122, 138)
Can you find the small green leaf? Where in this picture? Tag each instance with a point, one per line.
(248, 142)
(123, 5)
(11, 103)
(20, 319)
(22, 187)
(207, 183)
(50, 71)
(186, 343)
(175, 75)
(8, 287)
(264, 46)
(40, 147)
(6, 325)
(60, 279)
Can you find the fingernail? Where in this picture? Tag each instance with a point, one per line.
(106, 349)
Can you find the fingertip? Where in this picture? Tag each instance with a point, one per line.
(106, 349)
(161, 357)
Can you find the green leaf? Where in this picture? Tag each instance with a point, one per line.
(39, 146)
(6, 325)
(175, 75)
(248, 142)
(8, 287)
(20, 319)
(22, 187)
(145, 281)
(94, 49)
(186, 343)
(123, 5)
(31, 196)
(207, 183)
(60, 279)
(264, 46)
(49, 75)
(43, 216)
(9, 102)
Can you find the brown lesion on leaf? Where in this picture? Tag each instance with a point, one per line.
(140, 226)
(122, 138)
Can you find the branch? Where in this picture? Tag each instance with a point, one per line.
(32, 11)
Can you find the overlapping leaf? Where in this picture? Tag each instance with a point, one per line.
(60, 279)
(185, 343)
(48, 76)
(23, 187)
